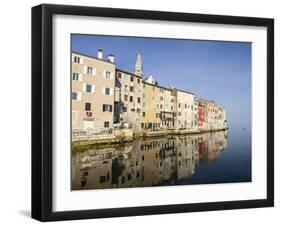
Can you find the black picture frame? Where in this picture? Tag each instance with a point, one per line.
(42, 107)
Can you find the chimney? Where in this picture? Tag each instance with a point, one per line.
(100, 54)
(110, 58)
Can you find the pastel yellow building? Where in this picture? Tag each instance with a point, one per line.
(151, 106)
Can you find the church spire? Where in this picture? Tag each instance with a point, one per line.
(138, 67)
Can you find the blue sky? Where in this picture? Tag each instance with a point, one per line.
(212, 70)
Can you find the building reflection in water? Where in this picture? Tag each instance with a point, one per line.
(143, 163)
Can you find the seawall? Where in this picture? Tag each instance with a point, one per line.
(85, 142)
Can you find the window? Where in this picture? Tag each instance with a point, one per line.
(157, 115)
(106, 124)
(76, 59)
(125, 97)
(124, 109)
(74, 96)
(107, 91)
(89, 70)
(87, 106)
(131, 89)
(179, 113)
(185, 105)
(102, 179)
(161, 98)
(88, 88)
(107, 108)
(138, 80)
(138, 110)
(179, 105)
(107, 74)
(75, 76)
(131, 99)
(133, 110)
(132, 78)
(143, 114)
(143, 85)
(139, 99)
(143, 95)
(119, 75)
(161, 106)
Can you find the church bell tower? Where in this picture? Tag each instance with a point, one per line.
(138, 67)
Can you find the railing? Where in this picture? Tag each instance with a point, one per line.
(89, 132)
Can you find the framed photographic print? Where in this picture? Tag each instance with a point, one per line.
(146, 112)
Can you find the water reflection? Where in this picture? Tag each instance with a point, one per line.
(150, 162)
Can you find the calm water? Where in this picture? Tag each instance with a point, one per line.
(218, 157)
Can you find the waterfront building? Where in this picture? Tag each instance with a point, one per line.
(185, 109)
(128, 99)
(93, 82)
(214, 116)
(128, 96)
(152, 104)
(201, 114)
(168, 114)
(195, 114)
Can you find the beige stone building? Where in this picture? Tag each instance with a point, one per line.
(93, 84)
(128, 99)
(168, 114)
(195, 114)
(152, 105)
(185, 109)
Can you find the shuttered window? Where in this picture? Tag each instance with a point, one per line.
(107, 108)
(87, 106)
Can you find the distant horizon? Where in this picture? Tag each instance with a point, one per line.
(212, 70)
